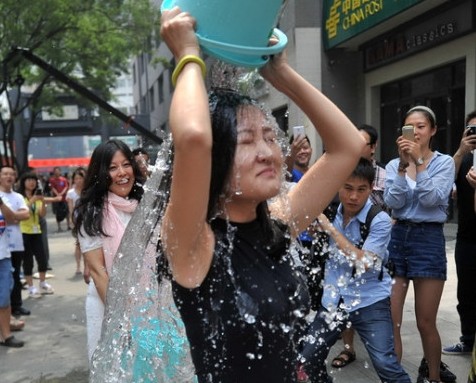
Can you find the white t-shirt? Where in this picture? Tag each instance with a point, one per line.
(4, 235)
(15, 202)
(72, 195)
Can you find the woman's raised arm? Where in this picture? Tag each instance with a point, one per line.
(343, 143)
(186, 237)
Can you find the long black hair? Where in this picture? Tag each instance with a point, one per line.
(89, 208)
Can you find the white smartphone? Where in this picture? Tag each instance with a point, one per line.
(408, 132)
(298, 131)
(474, 160)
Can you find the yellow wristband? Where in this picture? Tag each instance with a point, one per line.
(184, 61)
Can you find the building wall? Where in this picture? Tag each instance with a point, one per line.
(338, 72)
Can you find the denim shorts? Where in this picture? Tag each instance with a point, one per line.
(6, 282)
(418, 250)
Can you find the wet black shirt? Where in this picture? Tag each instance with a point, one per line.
(242, 319)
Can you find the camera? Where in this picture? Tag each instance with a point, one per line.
(38, 191)
(472, 129)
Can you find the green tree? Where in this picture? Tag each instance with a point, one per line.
(91, 41)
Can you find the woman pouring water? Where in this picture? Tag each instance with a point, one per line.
(228, 250)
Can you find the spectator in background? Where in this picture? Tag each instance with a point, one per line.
(72, 197)
(465, 248)
(32, 238)
(6, 279)
(417, 189)
(59, 186)
(347, 355)
(21, 212)
(371, 138)
(142, 158)
(112, 190)
(357, 287)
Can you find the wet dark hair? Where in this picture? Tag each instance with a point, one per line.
(224, 105)
(89, 208)
(364, 170)
(23, 178)
(371, 131)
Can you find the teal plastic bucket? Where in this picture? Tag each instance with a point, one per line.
(236, 31)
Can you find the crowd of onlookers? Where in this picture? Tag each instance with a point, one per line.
(24, 202)
(412, 247)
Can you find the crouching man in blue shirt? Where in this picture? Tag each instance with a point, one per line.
(356, 284)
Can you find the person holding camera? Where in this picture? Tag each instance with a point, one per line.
(417, 189)
(465, 248)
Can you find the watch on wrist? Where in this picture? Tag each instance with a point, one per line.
(419, 161)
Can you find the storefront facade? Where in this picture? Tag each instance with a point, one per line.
(416, 53)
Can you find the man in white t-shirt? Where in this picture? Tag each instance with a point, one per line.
(17, 203)
(6, 278)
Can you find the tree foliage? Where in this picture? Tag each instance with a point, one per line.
(91, 41)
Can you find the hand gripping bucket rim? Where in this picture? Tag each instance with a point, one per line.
(237, 54)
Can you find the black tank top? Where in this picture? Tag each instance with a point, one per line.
(242, 321)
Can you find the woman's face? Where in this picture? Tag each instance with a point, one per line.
(122, 175)
(258, 159)
(78, 181)
(423, 129)
(30, 184)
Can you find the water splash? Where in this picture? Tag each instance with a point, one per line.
(143, 338)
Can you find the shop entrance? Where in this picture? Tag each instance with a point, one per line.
(440, 89)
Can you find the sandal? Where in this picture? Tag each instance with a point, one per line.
(16, 324)
(11, 341)
(344, 358)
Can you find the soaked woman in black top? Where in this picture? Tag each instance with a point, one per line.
(228, 249)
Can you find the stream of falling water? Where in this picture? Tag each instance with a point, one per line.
(143, 338)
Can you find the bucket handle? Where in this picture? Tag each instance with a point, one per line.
(244, 50)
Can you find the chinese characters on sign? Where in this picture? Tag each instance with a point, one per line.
(344, 19)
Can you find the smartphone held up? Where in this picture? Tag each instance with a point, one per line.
(408, 132)
(298, 131)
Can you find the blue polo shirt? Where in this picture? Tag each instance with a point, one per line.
(365, 288)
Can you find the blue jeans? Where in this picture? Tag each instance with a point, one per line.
(374, 325)
(6, 282)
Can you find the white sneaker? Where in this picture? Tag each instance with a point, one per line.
(45, 288)
(33, 292)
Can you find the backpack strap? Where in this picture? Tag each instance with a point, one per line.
(364, 232)
(365, 227)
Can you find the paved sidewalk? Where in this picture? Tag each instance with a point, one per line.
(55, 333)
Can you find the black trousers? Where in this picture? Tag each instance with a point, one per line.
(465, 257)
(15, 295)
